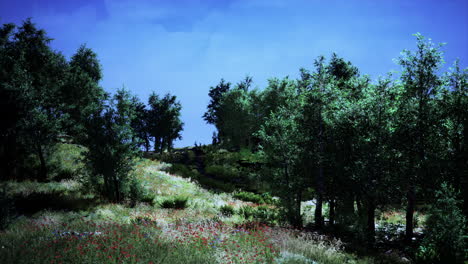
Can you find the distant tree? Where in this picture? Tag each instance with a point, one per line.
(111, 150)
(165, 125)
(140, 124)
(235, 111)
(211, 116)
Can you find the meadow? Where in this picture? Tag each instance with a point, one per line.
(70, 224)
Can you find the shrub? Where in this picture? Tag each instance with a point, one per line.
(65, 161)
(445, 225)
(138, 193)
(246, 211)
(178, 202)
(249, 197)
(111, 148)
(222, 172)
(227, 210)
(266, 215)
(215, 184)
(183, 171)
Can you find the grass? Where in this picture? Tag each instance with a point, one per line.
(203, 231)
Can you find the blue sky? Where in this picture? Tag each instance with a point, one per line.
(184, 47)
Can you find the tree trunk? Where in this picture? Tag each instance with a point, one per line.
(318, 206)
(411, 199)
(298, 217)
(319, 203)
(147, 144)
(332, 212)
(116, 189)
(370, 228)
(43, 170)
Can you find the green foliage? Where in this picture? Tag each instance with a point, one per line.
(445, 230)
(225, 173)
(227, 210)
(282, 141)
(246, 211)
(66, 162)
(262, 214)
(164, 122)
(177, 202)
(249, 197)
(111, 150)
(212, 115)
(45, 97)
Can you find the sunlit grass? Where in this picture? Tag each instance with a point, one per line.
(118, 233)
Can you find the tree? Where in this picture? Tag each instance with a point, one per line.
(165, 125)
(140, 124)
(235, 111)
(282, 141)
(211, 116)
(417, 119)
(455, 128)
(375, 125)
(111, 150)
(81, 93)
(32, 78)
(313, 86)
(445, 226)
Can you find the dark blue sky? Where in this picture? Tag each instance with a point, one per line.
(184, 47)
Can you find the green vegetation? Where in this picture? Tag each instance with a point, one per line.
(445, 225)
(175, 203)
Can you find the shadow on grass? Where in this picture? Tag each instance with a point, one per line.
(35, 202)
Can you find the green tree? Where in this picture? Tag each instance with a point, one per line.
(417, 116)
(81, 93)
(164, 121)
(111, 150)
(236, 112)
(445, 230)
(211, 116)
(282, 141)
(455, 128)
(375, 125)
(140, 124)
(32, 78)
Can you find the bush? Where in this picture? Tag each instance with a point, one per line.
(65, 161)
(178, 202)
(246, 211)
(266, 215)
(184, 171)
(222, 172)
(249, 197)
(227, 210)
(216, 184)
(138, 193)
(445, 225)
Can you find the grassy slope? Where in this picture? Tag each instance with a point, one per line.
(114, 233)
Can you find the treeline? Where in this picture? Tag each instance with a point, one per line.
(46, 99)
(347, 140)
